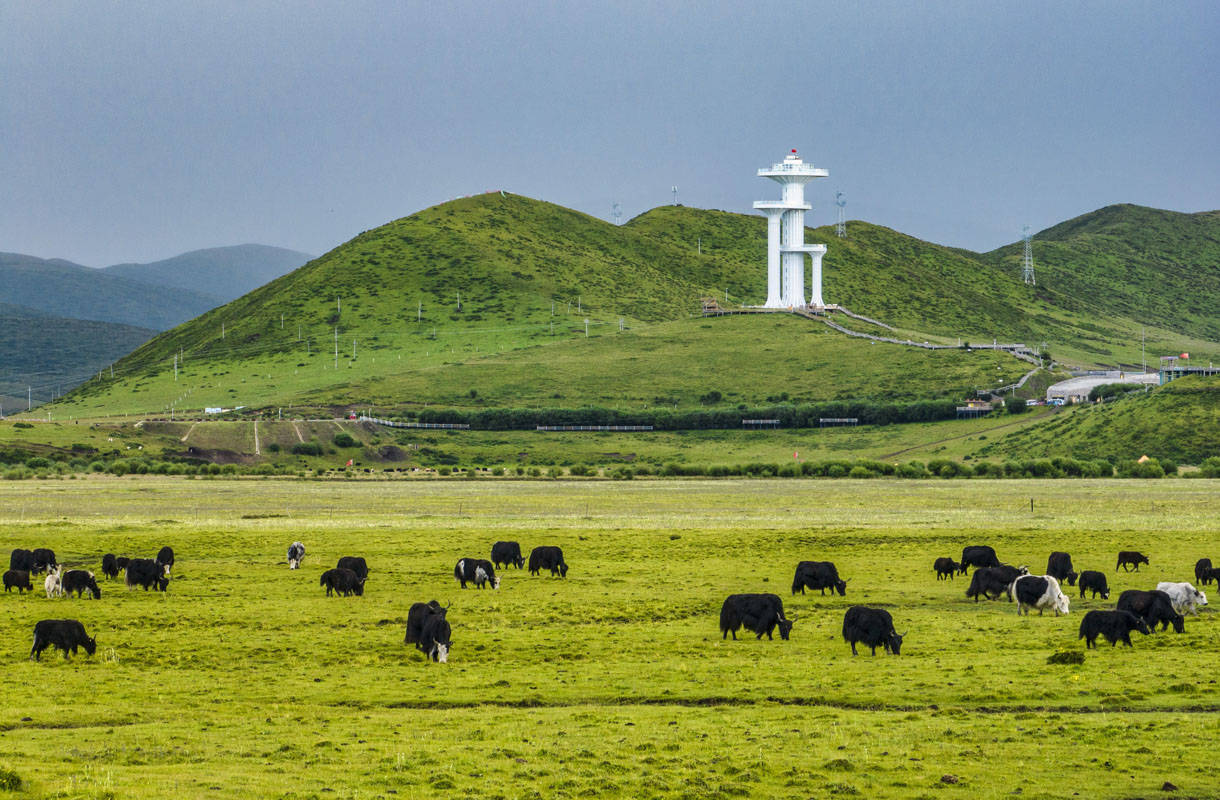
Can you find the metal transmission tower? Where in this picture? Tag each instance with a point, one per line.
(616, 212)
(674, 189)
(1027, 261)
(841, 225)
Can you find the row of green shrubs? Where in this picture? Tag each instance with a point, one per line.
(789, 415)
(39, 467)
(937, 468)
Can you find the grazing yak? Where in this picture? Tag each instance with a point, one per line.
(1154, 607)
(1184, 597)
(356, 564)
(110, 566)
(1203, 571)
(53, 584)
(1040, 592)
(1130, 558)
(428, 629)
(991, 582)
(978, 556)
(478, 571)
(21, 560)
(79, 581)
(1116, 626)
(871, 627)
(296, 552)
(548, 557)
(505, 553)
(19, 578)
(1059, 567)
(342, 581)
(121, 562)
(63, 634)
(147, 573)
(1093, 581)
(820, 575)
(946, 568)
(760, 613)
(165, 557)
(43, 559)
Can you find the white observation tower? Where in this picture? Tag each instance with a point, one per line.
(786, 246)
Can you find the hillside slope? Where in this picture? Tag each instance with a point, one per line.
(1160, 267)
(49, 354)
(222, 272)
(69, 290)
(1180, 421)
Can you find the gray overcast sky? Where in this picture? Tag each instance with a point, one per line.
(137, 130)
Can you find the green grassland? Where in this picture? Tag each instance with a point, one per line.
(496, 290)
(245, 680)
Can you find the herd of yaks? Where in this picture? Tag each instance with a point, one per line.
(1136, 609)
(429, 630)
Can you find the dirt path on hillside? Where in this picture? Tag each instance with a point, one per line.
(300, 438)
(1049, 410)
(257, 451)
(186, 435)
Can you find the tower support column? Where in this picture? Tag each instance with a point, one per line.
(815, 278)
(775, 291)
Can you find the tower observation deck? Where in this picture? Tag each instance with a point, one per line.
(786, 248)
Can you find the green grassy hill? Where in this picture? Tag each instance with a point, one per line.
(1179, 421)
(1161, 268)
(527, 303)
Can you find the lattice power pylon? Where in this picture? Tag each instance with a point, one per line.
(1027, 261)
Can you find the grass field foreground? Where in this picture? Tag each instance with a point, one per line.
(244, 679)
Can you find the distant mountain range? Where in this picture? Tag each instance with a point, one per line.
(225, 273)
(159, 295)
(60, 321)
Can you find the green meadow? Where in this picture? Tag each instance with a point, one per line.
(245, 680)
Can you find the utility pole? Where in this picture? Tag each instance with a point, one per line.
(30, 399)
(419, 312)
(336, 347)
(298, 331)
(353, 347)
(1143, 357)
(222, 330)
(586, 327)
(281, 322)
(339, 305)
(175, 366)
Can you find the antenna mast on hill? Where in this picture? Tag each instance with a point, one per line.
(674, 189)
(841, 225)
(616, 212)
(1027, 261)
